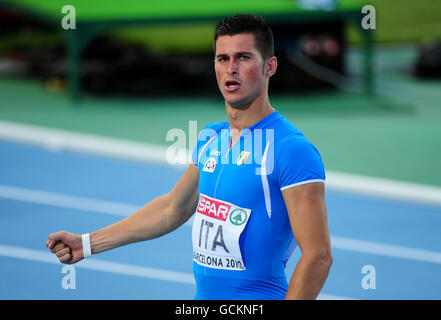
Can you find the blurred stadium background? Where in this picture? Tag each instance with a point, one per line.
(84, 117)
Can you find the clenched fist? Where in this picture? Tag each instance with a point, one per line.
(68, 247)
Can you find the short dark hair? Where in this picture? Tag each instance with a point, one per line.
(247, 23)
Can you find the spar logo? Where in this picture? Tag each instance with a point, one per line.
(238, 217)
(213, 208)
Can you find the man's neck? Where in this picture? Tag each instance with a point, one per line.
(244, 118)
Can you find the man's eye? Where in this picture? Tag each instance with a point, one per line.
(244, 57)
(221, 59)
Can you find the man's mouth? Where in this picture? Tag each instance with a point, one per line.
(232, 85)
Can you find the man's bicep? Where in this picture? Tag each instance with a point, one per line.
(184, 195)
(308, 217)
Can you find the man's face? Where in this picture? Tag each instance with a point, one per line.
(239, 69)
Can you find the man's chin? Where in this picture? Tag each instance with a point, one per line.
(239, 104)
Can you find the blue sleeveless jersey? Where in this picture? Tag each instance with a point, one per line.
(242, 237)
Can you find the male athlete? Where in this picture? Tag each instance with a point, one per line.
(255, 187)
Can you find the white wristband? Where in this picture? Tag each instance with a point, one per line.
(87, 250)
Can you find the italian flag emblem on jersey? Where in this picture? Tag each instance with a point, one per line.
(242, 157)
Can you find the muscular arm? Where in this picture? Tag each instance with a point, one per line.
(308, 218)
(158, 217)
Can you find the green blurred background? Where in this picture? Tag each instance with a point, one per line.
(394, 134)
(398, 21)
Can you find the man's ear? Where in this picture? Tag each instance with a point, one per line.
(271, 66)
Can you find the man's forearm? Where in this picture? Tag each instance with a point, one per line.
(151, 221)
(309, 277)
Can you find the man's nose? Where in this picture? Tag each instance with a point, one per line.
(233, 67)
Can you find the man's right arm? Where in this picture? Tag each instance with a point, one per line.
(159, 217)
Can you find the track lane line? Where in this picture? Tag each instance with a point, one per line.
(57, 139)
(117, 268)
(99, 265)
(124, 209)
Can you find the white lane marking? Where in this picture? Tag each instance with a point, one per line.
(68, 140)
(99, 265)
(58, 140)
(123, 209)
(118, 268)
(384, 188)
(66, 201)
(387, 250)
(71, 202)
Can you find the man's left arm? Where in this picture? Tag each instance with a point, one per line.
(308, 218)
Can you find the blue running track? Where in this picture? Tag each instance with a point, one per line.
(43, 191)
